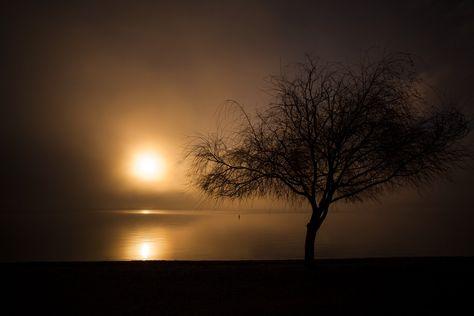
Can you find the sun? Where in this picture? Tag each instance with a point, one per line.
(148, 166)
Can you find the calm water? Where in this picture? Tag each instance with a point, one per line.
(208, 235)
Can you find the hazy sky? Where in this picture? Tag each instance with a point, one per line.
(85, 85)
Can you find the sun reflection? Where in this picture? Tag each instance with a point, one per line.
(145, 245)
(146, 250)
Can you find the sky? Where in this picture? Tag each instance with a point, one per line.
(86, 85)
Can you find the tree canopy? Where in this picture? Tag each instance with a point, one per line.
(334, 132)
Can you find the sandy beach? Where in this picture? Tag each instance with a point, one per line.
(352, 286)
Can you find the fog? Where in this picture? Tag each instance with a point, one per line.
(86, 83)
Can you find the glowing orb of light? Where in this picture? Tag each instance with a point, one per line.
(148, 166)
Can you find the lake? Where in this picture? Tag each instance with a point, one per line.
(225, 235)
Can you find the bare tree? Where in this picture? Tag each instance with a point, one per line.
(334, 133)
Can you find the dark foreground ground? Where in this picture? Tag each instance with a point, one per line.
(422, 286)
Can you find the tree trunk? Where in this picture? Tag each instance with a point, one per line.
(311, 230)
(317, 218)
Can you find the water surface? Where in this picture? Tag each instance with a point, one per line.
(223, 235)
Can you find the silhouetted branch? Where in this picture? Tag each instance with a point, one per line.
(334, 132)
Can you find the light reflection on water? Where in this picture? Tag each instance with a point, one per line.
(144, 244)
(224, 235)
(205, 235)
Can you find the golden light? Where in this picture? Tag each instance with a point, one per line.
(145, 250)
(148, 166)
(145, 243)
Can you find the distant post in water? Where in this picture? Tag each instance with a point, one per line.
(333, 133)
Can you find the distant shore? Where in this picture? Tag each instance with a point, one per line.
(396, 286)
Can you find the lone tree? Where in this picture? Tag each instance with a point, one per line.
(334, 133)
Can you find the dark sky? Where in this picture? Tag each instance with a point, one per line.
(86, 83)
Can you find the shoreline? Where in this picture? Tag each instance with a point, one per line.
(379, 259)
(277, 287)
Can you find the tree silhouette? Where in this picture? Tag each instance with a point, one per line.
(334, 132)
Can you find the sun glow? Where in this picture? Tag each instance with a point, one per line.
(145, 251)
(150, 249)
(148, 166)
